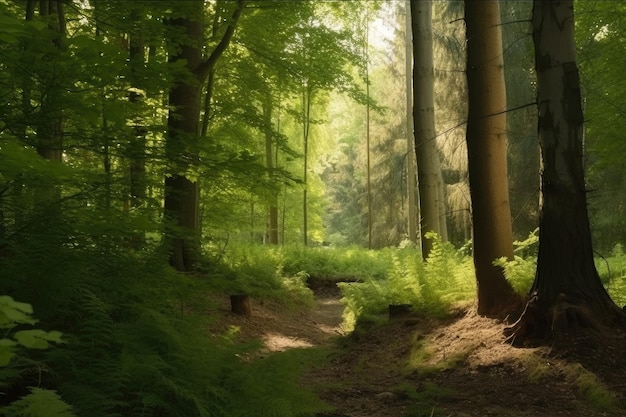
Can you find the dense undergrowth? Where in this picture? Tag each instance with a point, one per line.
(134, 336)
(134, 341)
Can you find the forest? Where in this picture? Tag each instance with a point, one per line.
(300, 208)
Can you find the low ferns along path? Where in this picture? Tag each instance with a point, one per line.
(420, 365)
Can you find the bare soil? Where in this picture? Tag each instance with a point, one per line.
(455, 366)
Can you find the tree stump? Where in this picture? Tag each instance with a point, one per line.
(240, 304)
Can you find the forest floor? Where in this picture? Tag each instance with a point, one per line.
(456, 366)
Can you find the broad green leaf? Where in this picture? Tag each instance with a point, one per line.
(34, 339)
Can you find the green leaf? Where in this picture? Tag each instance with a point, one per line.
(13, 312)
(4, 343)
(34, 339)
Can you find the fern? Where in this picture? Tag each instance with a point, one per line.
(39, 403)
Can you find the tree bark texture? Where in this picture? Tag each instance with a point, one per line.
(567, 293)
(487, 159)
(413, 209)
(430, 180)
(182, 193)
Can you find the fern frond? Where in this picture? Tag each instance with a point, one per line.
(39, 403)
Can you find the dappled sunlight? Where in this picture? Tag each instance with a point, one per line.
(276, 342)
(325, 319)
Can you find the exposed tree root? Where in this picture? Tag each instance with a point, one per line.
(567, 318)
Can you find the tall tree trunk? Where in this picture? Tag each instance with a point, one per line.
(272, 220)
(410, 159)
(487, 159)
(137, 144)
(49, 119)
(367, 130)
(182, 194)
(567, 293)
(307, 94)
(429, 176)
(50, 123)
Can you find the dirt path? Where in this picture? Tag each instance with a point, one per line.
(452, 367)
(281, 328)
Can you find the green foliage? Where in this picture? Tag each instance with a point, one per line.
(269, 388)
(142, 352)
(259, 271)
(13, 314)
(521, 270)
(446, 277)
(39, 403)
(612, 271)
(336, 264)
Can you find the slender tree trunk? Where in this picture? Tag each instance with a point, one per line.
(410, 160)
(272, 221)
(307, 93)
(50, 121)
(567, 293)
(430, 181)
(137, 144)
(487, 159)
(367, 131)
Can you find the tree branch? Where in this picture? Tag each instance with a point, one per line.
(203, 70)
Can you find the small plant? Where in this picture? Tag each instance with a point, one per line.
(521, 270)
(39, 402)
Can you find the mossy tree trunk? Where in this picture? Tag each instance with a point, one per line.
(567, 293)
(487, 159)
